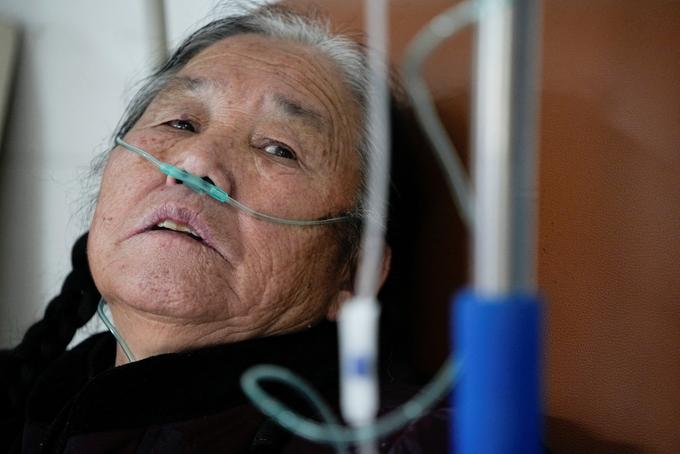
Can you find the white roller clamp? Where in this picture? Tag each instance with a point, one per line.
(358, 334)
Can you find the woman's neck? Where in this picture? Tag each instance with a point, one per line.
(148, 335)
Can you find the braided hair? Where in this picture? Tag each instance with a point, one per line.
(48, 338)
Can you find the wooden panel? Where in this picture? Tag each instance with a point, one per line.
(609, 220)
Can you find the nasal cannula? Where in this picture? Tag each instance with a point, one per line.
(204, 187)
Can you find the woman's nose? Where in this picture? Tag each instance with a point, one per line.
(200, 159)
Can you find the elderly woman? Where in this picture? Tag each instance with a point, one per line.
(268, 106)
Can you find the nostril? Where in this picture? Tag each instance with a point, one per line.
(206, 179)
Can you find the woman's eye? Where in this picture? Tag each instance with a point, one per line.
(184, 125)
(280, 151)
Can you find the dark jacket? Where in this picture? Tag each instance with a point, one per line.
(189, 402)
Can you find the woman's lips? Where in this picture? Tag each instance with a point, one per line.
(171, 226)
(183, 220)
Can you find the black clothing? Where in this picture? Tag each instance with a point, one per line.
(187, 402)
(191, 402)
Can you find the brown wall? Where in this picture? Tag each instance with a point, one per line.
(610, 218)
(609, 241)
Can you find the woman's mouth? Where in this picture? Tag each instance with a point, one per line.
(169, 225)
(178, 221)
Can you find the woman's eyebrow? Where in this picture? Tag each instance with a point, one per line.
(294, 109)
(180, 85)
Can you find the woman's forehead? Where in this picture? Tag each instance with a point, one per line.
(281, 101)
(268, 75)
(294, 75)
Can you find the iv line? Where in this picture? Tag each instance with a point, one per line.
(440, 28)
(314, 431)
(450, 22)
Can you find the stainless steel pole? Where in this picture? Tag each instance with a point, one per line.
(504, 146)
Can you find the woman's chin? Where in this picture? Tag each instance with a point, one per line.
(174, 246)
(176, 290)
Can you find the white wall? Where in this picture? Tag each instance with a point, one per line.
(78, 61)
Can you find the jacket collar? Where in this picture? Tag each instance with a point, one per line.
(174, 386)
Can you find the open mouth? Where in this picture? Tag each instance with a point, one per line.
(182, 221)
(177, 227)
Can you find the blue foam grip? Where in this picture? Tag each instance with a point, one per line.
(497, 399)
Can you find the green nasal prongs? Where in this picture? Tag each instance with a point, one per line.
(194, 182)
(203, 187)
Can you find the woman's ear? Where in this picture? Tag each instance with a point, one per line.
(348, 292)
(334, 307)
(386, 265)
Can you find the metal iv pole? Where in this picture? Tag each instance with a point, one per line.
(498, 321)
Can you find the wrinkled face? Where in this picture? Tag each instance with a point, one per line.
(270, 122)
